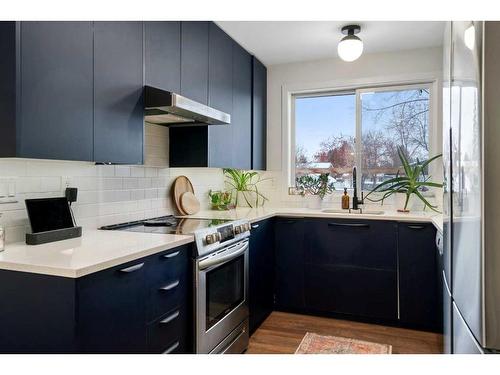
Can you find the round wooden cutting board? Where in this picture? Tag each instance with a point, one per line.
(180, 186)
(189, 203)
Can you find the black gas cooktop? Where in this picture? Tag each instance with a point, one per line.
(165, 225)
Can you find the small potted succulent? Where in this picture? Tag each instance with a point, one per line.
(220, 200)
(407, 186)
(318, 186)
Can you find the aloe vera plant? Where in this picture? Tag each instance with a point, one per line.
(411, 183)
(245, 183)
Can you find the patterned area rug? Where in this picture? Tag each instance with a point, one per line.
(317, 344)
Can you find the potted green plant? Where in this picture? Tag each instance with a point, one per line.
(408, 185)
(318, 186)
(220, 200)
(245, 186)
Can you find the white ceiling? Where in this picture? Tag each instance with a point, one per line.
(278, 42)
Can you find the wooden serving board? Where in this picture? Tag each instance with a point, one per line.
(180, 186)
(189, 203)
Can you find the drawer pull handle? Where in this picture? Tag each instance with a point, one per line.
(132, 268)
(416, 226)
(255, 226)
(171, 255)
(353, 225)
(170, 286)
(174, 346)
(169, 318)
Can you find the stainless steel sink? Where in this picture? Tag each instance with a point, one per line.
(353, 212)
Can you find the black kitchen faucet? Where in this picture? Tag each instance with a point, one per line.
(355, 201)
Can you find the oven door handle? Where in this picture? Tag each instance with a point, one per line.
(206, 263)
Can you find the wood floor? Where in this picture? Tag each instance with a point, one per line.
(281, 333)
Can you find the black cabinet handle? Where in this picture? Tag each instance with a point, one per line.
(171, 348)
(416, 227)
(132, 268)
(349, 225)
(171, 255)
(169, 318)
(170, 286)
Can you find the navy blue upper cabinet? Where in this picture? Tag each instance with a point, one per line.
(55, 91)
(419, 276)
(194, 60)
(259, 115)
(220, 72)
(118, 87)
(241, 117)
(220, 95)
(162, 55)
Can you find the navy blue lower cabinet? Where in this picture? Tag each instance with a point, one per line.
(111, 310)
(37, 313)
(420, 284)
(290, 258)
(169, 303)
(166, 335)
(261, 272)
(351, 267)
(143, 306)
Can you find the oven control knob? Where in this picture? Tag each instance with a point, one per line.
(211, 238)
(238, 229)
(218, 236)
(247, 227)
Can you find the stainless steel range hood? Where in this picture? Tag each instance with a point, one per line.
(167, 108)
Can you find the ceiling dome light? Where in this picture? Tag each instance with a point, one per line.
(350, 47)
(470, 36)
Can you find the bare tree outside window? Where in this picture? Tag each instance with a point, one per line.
(325, 130)
(392, 119)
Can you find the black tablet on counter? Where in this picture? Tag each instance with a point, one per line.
(48, 214)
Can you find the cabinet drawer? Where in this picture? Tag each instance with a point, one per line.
(168, 282)
(356, 243)
(352, 290)
(166, 297)
(168, 333)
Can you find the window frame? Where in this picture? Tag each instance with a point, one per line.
(358, 91)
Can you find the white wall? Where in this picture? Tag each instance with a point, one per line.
(369, 68)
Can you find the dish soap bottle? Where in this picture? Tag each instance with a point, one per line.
(345, 200)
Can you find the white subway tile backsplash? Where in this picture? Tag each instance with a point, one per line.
(107, 194)
(131, 183)
(144, 183)
(138, 171)
(29, 185)
(111, 183)
(122, 171)
(50, 184)
(105, 170)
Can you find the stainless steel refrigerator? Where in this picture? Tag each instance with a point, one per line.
(471, 202)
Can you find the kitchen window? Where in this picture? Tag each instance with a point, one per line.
(327, 127)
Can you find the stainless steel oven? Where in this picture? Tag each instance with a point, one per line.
(221, 290)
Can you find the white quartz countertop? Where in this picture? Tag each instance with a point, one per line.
(96, 250)
(257, 214)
